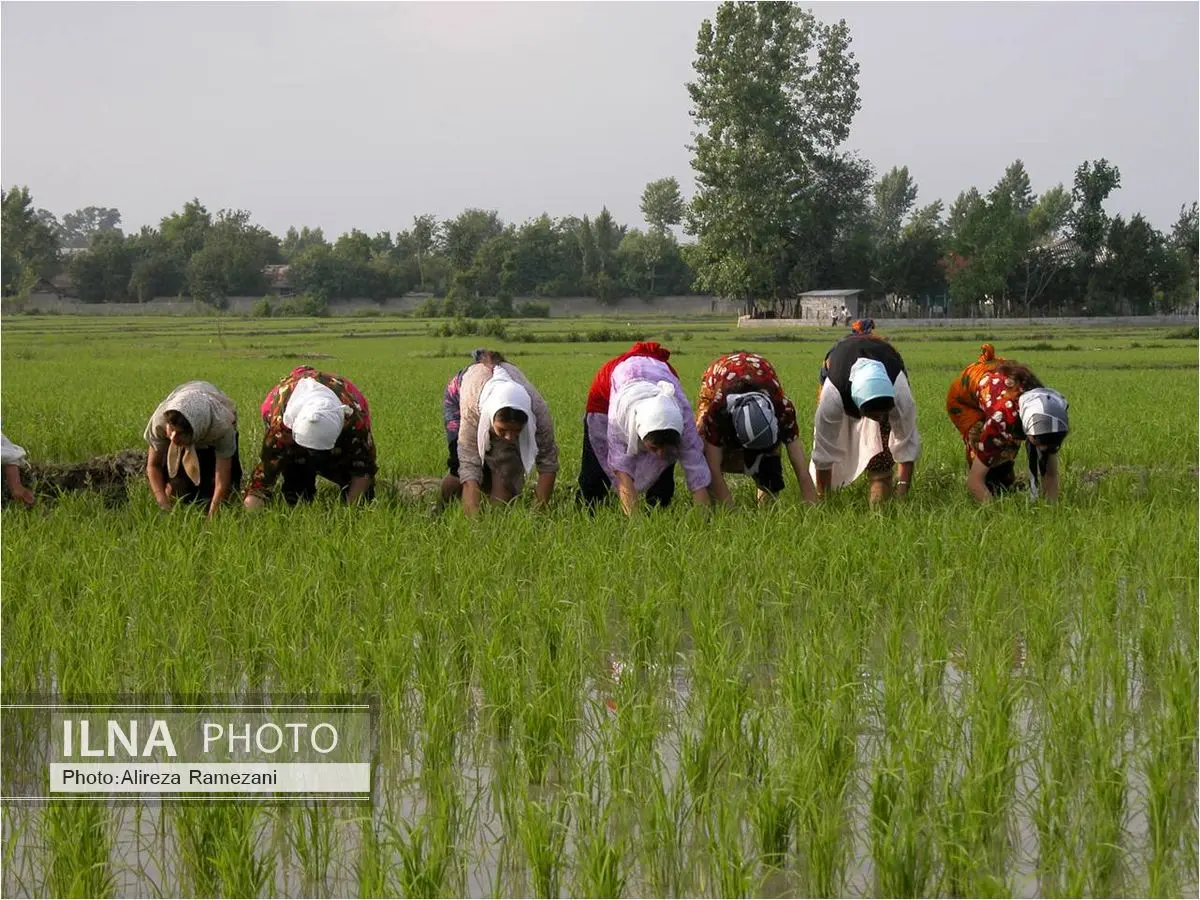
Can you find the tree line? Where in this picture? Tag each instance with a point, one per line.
(780, 208)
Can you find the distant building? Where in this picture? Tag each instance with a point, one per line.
(277, 280)
(822, 305)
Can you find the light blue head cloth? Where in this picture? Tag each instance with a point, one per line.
(869, 381)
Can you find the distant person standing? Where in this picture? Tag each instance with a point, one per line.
(833, 317)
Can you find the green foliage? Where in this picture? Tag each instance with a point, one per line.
(262, 308)
(307, 304)
(230, 263)
(102, 273)
(78, 227)
(662, 204)
(530, 310)
(774, 95)
(295, 242)
(28, 245)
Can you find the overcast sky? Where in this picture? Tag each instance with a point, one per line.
(365, 114)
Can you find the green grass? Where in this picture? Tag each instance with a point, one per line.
(932, 699)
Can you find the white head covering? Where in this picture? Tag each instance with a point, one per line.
(501, 392)
(11, 454)
(315, 415)
(1042, 411)
(202, 412)
(646, 406)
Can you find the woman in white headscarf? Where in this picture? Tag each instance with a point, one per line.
(13, 460)
(193, 442)
(314, 423)
(505, 429)
(637, 424)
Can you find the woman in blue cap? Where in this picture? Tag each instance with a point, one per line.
(866, 419)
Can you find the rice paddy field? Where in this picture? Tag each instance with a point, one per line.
(934, 698)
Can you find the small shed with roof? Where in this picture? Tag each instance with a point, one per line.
(824, 305)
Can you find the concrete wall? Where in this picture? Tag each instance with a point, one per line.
(559, 307)
(1064, 321)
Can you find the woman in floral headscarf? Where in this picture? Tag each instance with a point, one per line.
(998, 405)
(193, 442)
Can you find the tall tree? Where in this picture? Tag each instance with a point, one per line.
(662, 205)
(185, 231)
(774, 95)
(103, 271)
(1015, 184)
(608, 238)
(1089, 223)
(294, 242)
(1130, 272)
(463, 235)
(28, 244)
(895, 193)
(79, 226)
(231, 261)
(424, 235)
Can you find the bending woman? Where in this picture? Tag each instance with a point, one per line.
(504, 430)
(638, 422)
(866, 419)
(314, 423)
(745, 419)
(998, 405)
(193, 440)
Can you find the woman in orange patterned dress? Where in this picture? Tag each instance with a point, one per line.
(998, 405)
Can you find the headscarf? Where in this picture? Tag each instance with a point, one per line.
(862, 326)
(202, 413)
(10, 453)
(645, 406)
(754, 420)
(501, 392)
(1043, 411)
(315, 415)
(869, 380)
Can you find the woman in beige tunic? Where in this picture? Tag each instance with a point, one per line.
(193, 442)
(505, 431)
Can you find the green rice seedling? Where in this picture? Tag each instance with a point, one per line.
(601, 867)
(542, 830)
(78, 846)
(369, 871)
(310, 828)
(663, 837)
(732, 866)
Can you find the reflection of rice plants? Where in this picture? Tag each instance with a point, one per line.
(932, 699)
